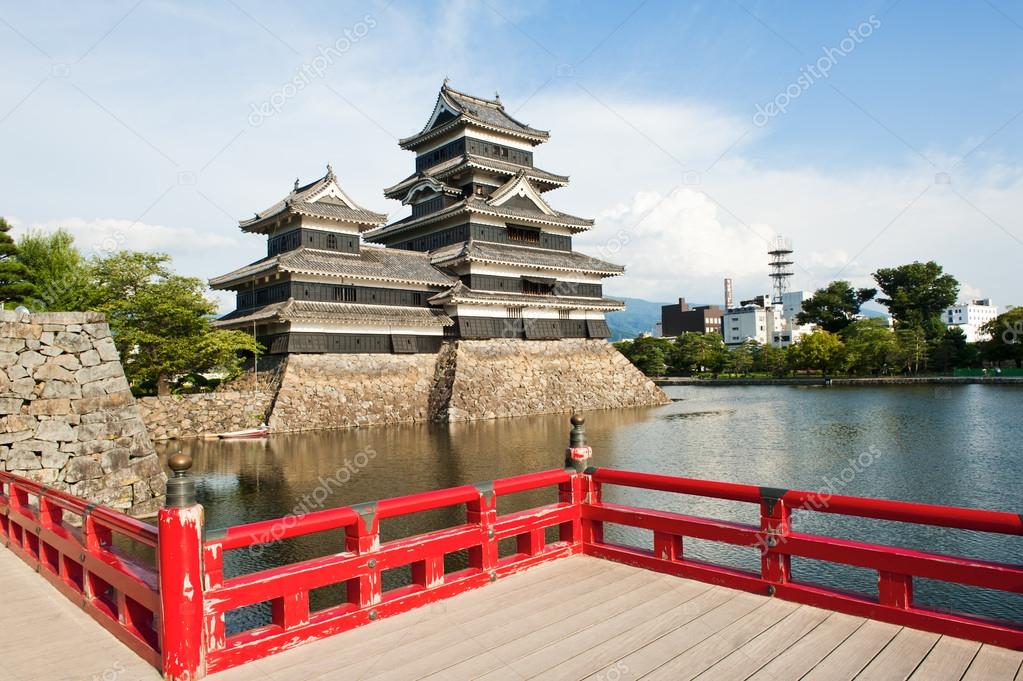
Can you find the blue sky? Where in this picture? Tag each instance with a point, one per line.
(131, 123)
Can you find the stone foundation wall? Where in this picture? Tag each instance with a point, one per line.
(345, 390)
(466, 380)
(67, 416)
(175, 417)
(507, 377)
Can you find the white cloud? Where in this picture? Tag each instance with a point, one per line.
(102, 235)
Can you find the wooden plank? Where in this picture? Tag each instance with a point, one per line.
(566, 648)
(470, 655)
(41, 616)
(947, 661)
(901, 657)
(994, 664)
(454, 644)
(667, 647)
(854, 653)
(370, 647)
(698, 659)
(591, 660)
(811, 649)
(738, 665)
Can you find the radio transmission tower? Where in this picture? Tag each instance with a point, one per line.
(781, 262)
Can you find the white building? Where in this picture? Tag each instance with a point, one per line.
(787, 330)
(970, 317)
(750, 322)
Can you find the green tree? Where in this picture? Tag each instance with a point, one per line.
(916, 294)
(15, 285)
(740, 358)
(911, 350)
(821, 350)
(833, 307)
(57, 270)
(696, 352)
(648, 353)
(869, 345)
(950, 350)
(770, 359)
(161, 321)
(1006, 342)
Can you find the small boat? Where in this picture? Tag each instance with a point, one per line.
(261, 431)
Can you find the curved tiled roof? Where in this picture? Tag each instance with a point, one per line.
(457, 164)
(460, 293)
(371, 262)
(303, 201)
(506, 254)
(486, 113)
(475, 204)
(348, 313)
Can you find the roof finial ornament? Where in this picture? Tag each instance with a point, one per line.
(446, 81)
(330, 171)
(296, 184)
(497, 96)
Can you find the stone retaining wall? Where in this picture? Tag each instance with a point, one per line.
(506, 377)
(345, 390)
(67, 416)
(175, 417)
(466, 380)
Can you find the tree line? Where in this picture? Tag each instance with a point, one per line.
(161, 321)
(845, 342)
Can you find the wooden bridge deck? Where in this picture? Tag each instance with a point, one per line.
(577, 618)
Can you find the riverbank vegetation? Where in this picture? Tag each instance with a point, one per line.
(161, 321)
(844, 342)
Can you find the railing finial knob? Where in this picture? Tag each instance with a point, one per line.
(579, 453)
(181, 487)
(179, 463)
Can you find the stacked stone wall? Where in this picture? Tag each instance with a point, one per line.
(174, 417)
(507, 377)
(67, 417)
(345, 390)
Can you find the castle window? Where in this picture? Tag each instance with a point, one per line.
(529, 236)
(514, 312)
(564, 314)
(332, 242)
(344, 294)
(537, 286)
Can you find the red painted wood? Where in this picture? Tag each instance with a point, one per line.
(365, 557)
(896, 566)
(115, 591)
(181, 592)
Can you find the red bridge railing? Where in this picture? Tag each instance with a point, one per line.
(70, 542)
(365, 558)
(175, 616)
(777, 542)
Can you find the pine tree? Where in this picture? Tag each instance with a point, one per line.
(14, 284)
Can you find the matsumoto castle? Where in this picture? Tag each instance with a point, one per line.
(482, 255)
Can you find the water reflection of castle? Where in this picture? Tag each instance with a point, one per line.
(482, 255)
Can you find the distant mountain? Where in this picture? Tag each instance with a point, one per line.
(639, 316)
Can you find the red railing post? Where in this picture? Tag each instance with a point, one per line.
(483, 512)
(776, 525)
(364, 538)
(179, 558)
(585, 489)
(894, 589)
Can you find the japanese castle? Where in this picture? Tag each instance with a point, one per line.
(483, 254)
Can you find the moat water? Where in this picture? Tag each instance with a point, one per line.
(953, 445)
